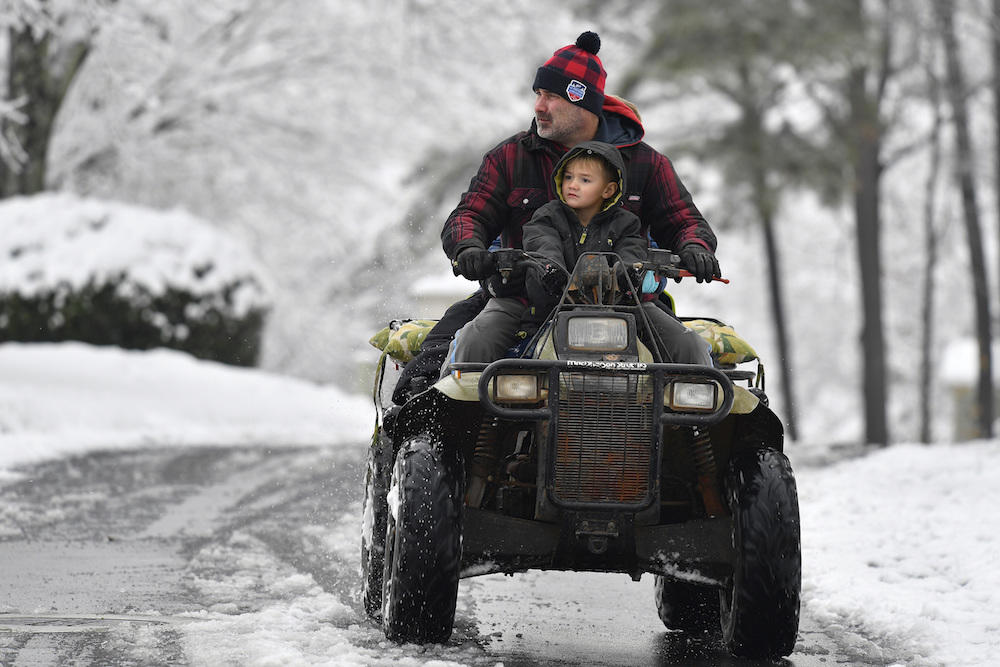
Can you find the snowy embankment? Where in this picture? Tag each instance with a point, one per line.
(60, 399)
(900, 545)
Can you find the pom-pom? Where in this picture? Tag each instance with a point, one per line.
(589, 41)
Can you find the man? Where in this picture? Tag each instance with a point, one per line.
(514, 180)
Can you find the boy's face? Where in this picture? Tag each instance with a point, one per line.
(585, 184)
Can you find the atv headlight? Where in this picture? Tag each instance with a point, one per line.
(597, 334)
(516, 388)
(693, 396)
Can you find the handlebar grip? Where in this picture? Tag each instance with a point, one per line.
(684, 273)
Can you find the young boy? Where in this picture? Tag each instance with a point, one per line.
(589, 181)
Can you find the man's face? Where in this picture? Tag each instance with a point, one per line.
(557, 119)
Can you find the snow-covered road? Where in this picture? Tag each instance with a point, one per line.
(233, 559)
(245, 556)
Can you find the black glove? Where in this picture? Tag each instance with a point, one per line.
(553, 280)
(700, 261)
(473, 263)
(628, 277)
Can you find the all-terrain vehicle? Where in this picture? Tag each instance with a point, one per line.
(589, 452)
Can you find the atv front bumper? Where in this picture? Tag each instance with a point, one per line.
(653, 382)
(699, 551)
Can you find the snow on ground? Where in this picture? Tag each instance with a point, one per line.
(900, 544)
(60, 398)
(904, 543)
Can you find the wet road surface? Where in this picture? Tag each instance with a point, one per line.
(212, 555)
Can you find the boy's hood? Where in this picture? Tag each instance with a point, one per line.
(606, 151)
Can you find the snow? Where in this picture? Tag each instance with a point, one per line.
(960, 363)
(897, 544)
(248, 133)
(901, 542)
(58, 399)
(56, 242)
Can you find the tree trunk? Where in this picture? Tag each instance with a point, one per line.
(764, 201)
(780, 327)
(955, 82)
(867, 171)
(864, 138)
(996, 121)
(930, 264)
(34, 77)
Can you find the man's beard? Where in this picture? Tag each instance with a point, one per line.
(561, 129)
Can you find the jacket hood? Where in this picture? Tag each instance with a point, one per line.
(604, 150)
(619, 124)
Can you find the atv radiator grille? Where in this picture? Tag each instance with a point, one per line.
(604, 438)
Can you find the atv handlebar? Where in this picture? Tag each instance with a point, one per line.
(663, 262)
(684, 273)
(668, 264)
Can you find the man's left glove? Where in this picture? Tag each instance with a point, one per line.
(700, 261)
(473, 263)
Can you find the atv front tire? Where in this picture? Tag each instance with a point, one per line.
(423, 544)
(760, 609)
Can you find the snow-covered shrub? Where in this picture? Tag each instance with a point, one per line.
(113, 274)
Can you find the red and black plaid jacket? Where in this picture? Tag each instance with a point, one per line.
(514, 180)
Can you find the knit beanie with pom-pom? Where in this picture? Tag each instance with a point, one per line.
(575, 73)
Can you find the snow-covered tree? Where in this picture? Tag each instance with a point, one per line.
(43, 45)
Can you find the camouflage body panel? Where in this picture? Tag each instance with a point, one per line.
(402, 339)
(728, 348)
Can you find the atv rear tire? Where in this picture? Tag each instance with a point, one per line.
(688, 607)
(423, 544)
(760, 609)
(376, 510)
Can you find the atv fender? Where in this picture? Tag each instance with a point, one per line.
(460, 386)
(744, 401)
(453, 421)
(759, 428)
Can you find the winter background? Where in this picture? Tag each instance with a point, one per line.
(331, 149)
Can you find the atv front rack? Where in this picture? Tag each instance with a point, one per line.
(605, 385)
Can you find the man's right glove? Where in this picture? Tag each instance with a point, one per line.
(473, 263)
(700, 261)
